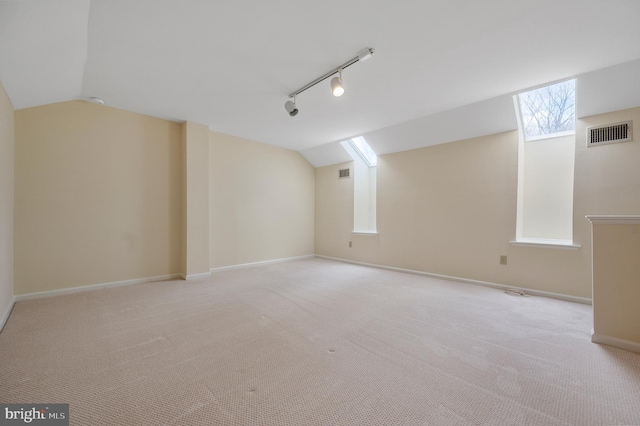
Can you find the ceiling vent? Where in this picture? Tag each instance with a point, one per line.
(343, 173)
(609, 133)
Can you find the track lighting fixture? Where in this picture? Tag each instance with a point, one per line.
(291, 107)
(336, 83)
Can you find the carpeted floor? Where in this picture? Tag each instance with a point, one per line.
(315, 342)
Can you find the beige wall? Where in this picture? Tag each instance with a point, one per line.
(447, 209)
(6, 202)
(334, 211)
(97, 196)
(195, 209)
(451, 209)
(607, 179)
(616, 279)
(261, 204)
(607, 176)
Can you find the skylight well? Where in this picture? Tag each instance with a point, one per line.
(547, 123)
(364, 165)
(362, 148)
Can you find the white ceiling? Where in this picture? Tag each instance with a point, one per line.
(231, 64)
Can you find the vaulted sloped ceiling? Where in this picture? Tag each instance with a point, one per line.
(230, 65)
(43, 50)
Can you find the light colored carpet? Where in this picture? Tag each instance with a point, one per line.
(315, 342)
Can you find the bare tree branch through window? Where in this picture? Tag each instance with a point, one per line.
(549, 110)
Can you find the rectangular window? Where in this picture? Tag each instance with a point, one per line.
(548, 111)
(546, 151)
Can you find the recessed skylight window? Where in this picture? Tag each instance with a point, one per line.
(549, 111)
(363, 184)
(362, 148)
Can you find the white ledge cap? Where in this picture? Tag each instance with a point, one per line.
(614, 219)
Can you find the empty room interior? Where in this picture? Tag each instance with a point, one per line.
(346, 213)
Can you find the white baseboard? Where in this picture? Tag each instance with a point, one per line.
(261, 263)
(71, 290)
(194, 276)
(627, 345)
(530, 291)
(6, 313)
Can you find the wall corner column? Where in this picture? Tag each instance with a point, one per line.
(616, 287)
(195, 203)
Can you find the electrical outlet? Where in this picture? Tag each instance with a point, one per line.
(349, 243)
(503, 260)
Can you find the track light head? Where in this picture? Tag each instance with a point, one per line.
(336, 85)
(291, 108)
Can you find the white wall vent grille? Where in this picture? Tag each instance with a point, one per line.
(609, 133)
(343, 173)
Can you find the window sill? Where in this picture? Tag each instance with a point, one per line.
(545, 243)
(549, 136)
(364, 233)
